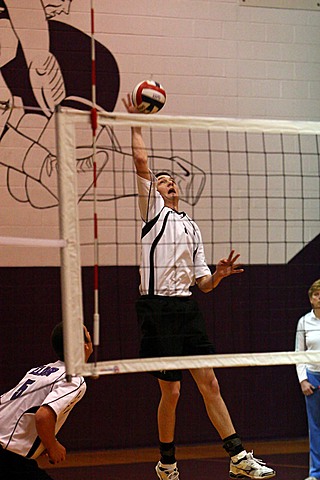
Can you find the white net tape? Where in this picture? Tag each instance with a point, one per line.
(207, 361)
(32, 242)
(219, 124)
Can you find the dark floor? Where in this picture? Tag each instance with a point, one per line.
(289, 466)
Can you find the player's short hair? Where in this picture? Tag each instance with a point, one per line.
(57, 340)
(314, 287)
(160, 174)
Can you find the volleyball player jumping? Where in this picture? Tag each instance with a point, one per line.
(171, 323)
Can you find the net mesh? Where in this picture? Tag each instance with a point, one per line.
(254, 191)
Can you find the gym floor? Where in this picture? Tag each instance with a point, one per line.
(200, 462)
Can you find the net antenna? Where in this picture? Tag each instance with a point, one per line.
(94, 125)
(246, 156)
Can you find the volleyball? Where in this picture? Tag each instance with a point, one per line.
(149, 96)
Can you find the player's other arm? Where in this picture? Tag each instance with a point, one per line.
(225, 267)
(139, 151)
(45, 420)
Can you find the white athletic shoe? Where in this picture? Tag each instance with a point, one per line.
(244, 465)
(167, 472)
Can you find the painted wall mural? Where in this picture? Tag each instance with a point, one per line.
(45, 60)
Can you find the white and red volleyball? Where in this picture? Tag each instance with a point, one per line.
(149, 96)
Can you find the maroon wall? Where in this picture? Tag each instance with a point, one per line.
(252, 312)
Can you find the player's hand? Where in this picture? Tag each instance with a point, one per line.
(127, 102)
(228, 266)
(307, 388)
(47, 82)
(57, 453)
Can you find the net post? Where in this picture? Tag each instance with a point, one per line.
(71, 285)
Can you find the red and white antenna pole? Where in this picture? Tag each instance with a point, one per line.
(94, 125)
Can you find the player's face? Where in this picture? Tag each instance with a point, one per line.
(167, 187)
(88, 349)
(315, 299)
(56, 7)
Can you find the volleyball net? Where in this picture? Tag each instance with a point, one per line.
(250, 185)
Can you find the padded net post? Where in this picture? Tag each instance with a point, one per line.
(71, 286)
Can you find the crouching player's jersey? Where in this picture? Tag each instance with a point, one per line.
(44, 385)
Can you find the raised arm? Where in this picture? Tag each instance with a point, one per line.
(225, 267)
(139, 152)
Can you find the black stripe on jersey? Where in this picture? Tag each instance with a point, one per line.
(34, 447)
(148, 226)
(33, 409)
(152, 250)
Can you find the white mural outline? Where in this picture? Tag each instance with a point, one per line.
(31, 171)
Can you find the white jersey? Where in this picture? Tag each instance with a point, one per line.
(172, 254)
(307, 339)
(45, 385)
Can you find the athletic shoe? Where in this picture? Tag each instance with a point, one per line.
(311, 478)
(244, 465)
(167, 472)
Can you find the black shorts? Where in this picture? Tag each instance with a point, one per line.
(171, 327)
